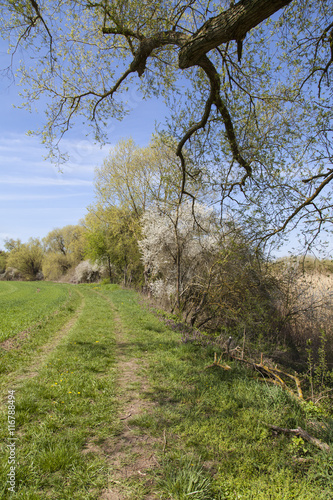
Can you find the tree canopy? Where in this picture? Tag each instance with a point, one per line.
(27, 258)
(248, 84)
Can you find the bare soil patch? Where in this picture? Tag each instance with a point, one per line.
(16, 342)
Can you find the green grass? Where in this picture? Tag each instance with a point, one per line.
(23, 304)
(31, 338)
(218, 417)
(212, 441)
(69, 402)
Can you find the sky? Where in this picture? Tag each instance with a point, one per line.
(35, 197)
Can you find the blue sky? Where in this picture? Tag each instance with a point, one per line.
(34, 196)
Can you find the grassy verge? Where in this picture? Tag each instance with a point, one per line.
(212, 423)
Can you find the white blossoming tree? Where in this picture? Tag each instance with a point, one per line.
(177, 245)
(207, 272)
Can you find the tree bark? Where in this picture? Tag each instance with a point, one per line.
(233, 24)
(109, 268)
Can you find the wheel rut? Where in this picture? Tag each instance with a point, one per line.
(32, 370)
(130, 455)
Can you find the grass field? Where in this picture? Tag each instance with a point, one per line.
(23, 304)
(109, 404)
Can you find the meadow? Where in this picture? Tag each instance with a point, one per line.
(23, 304)
(109, 403)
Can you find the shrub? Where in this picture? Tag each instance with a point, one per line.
(86, 272)
(11, 274)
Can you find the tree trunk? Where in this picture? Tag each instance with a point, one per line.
(110, 269)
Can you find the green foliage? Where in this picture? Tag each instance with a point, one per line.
(132, 177)
(111, 237)
(185, 478)
(11, 244)
(319, 377)
(64, 249)
(27, 258)
(54, 265)
(3, 261)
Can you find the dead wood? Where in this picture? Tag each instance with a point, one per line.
(303, 434)
(272, 374)
(217, 362)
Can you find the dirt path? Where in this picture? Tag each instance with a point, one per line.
(131, 453)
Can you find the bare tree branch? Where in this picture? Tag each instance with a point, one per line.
(307, 202)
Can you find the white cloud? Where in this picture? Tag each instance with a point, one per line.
(44, 181)
(32, 197)
(21, 150)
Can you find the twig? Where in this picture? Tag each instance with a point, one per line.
(244, 338)
(303, 434)
(127, 416)
(217, 362)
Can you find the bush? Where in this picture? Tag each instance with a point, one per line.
(236, 292)
(27, 258)
(3, 260)
(11, 274)
(86, 272)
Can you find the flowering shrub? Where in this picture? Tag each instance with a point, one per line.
(177, 245)
(86, 272)
(207, 271)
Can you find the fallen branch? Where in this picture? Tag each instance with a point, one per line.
(217, 362)
(127, 416)
(293, 377)
(273, 374)
(303, 434)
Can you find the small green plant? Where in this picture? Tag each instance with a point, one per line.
(298, 446)
(321, 371)
(184, 479)
(105, 281)
(309, 352)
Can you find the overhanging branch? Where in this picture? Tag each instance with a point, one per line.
(232, 24)
(307, 202)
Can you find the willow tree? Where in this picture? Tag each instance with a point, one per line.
(112, 234)
(64, 249)
(248, 84)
